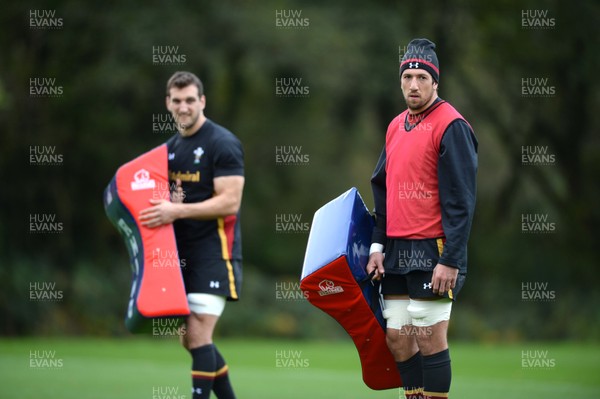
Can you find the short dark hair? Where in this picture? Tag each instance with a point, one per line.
(181, 79)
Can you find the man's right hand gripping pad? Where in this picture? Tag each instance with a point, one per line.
(333, 278)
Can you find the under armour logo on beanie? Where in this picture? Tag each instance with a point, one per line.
(420, 54)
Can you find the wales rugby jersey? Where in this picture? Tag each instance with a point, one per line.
(211, 152)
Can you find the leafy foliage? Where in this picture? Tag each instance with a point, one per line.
(102, 57)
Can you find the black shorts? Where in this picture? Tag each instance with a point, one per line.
(416, 285)
(404, 256)
(213, 276)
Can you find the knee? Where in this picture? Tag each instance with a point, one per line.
(195, 336)
(431, 319)
(199, 330)
(425, 340)
(432, 339)
(392, 337)
(402, 345)
(396, 339)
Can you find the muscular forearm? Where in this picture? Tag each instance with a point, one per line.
(212, 208)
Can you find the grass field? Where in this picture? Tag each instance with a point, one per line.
(146, 368)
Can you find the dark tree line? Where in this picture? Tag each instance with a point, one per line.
(346, 57)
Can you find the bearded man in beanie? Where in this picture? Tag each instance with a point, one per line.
(424, 188)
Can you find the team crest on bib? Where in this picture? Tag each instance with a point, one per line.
(198, 154)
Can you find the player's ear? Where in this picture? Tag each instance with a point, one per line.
(167, 101)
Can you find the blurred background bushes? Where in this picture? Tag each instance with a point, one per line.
(348, 57)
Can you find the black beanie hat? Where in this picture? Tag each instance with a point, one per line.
(420, 54)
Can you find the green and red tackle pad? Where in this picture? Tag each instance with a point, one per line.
(157, 289)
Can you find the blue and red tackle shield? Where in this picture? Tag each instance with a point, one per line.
(335, 281)
(157, 289)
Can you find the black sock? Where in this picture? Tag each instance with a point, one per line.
(222, 386)
(437, 374)
(411, 372)
(203, 371)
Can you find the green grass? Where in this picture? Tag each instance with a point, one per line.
(131, 368)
